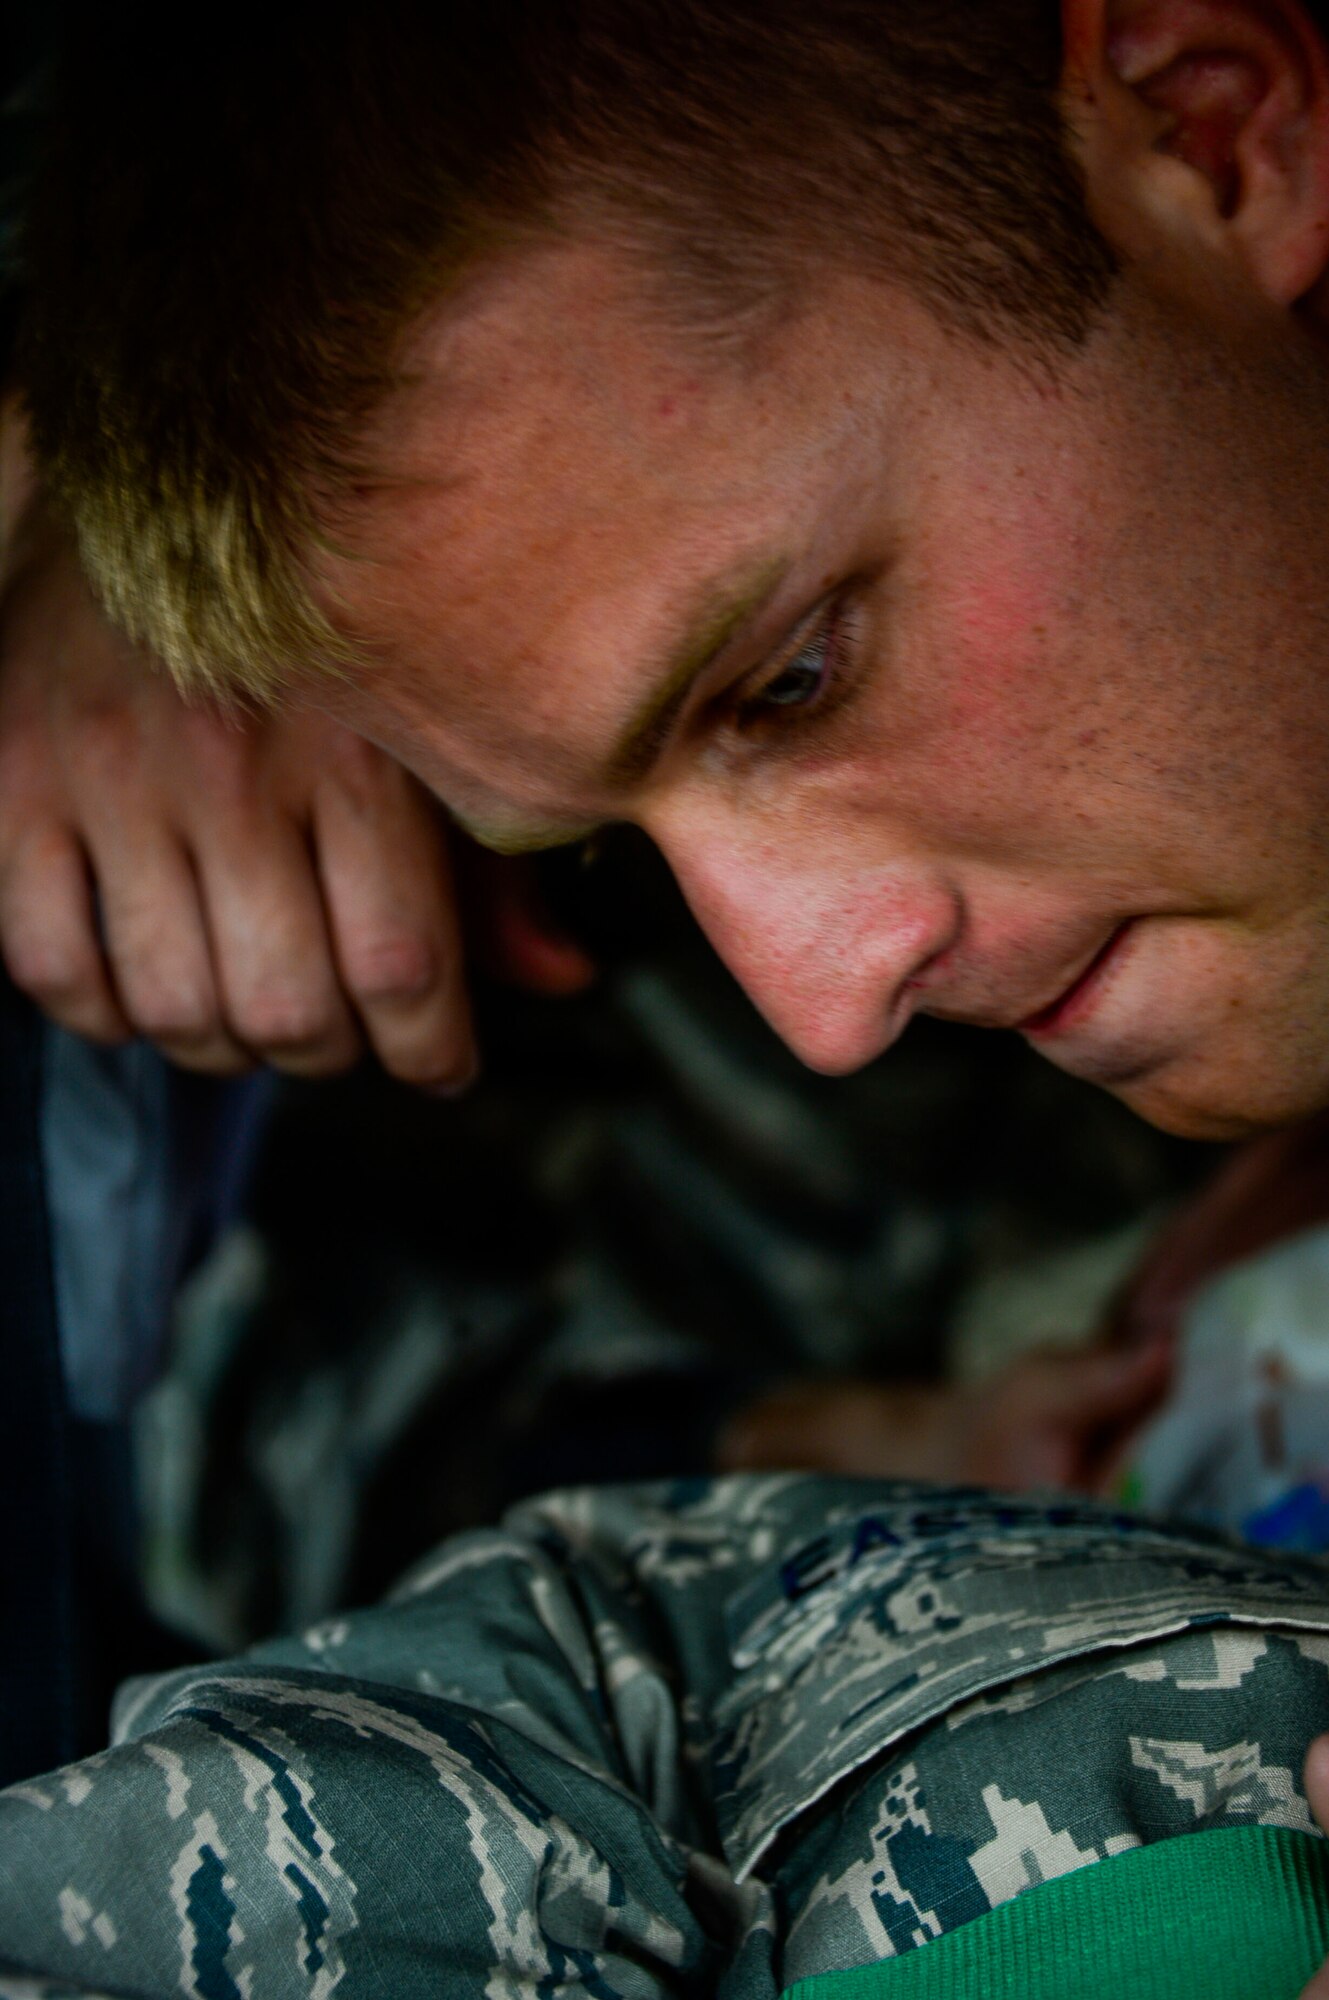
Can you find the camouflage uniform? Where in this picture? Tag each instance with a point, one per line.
(703, 1739)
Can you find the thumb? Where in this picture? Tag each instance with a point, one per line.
(1095, 1388)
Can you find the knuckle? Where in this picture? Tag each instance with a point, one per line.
(25, 760)
(104, 745)
(225, 793)
(401, 965)
(53, 971)
(223, 763)
(172, 1014)
(274, 1019)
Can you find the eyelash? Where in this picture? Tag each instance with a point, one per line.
(753, 709)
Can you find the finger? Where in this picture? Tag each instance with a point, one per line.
(382, 853)
(281, 995)
(1105, 1397)
(1097, 1387)
(157, 945)
(49, 936)
(854, 1428)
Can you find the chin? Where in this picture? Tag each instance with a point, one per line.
(1197, 1121)
(1194, 1102)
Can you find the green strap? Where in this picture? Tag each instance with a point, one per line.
(1237, 1913)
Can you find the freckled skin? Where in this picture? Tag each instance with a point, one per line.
(1087, 636)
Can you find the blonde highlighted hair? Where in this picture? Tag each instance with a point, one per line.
(220, 261)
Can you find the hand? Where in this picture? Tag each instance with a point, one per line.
(1266, 1190)
(234, 889)
(1059, 1418)
(1316, 1781)
(1049, 1419)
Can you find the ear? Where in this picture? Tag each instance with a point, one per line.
(1208, 116)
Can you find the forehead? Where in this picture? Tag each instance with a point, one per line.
(566, 494)
(557, 485)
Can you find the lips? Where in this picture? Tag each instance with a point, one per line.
(1071, 1004)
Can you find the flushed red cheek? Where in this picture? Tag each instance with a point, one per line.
(996, 667)
(1002, 618)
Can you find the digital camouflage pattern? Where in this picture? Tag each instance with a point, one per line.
(687, 1740)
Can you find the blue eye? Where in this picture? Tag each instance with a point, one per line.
(807, 685)
(799, 682)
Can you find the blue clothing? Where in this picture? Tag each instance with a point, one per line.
(141, 1164)
(113, 1170)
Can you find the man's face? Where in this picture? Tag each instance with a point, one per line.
(944, 684)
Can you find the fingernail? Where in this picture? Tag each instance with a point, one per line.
(455, 1086)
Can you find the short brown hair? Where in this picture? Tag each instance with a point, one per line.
(222, 254)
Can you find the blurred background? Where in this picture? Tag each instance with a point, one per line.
(645, 1217)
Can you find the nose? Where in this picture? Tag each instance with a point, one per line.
(824, 947)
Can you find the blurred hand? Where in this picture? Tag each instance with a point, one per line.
(1059, 1419)
(1050, 1419)
(1262, 1192)
(264, 888)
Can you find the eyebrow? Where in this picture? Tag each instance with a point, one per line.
(724, 610)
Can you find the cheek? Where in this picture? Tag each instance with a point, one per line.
(999, 656)
(990, 711)
(1001, 610)
(983, 736)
